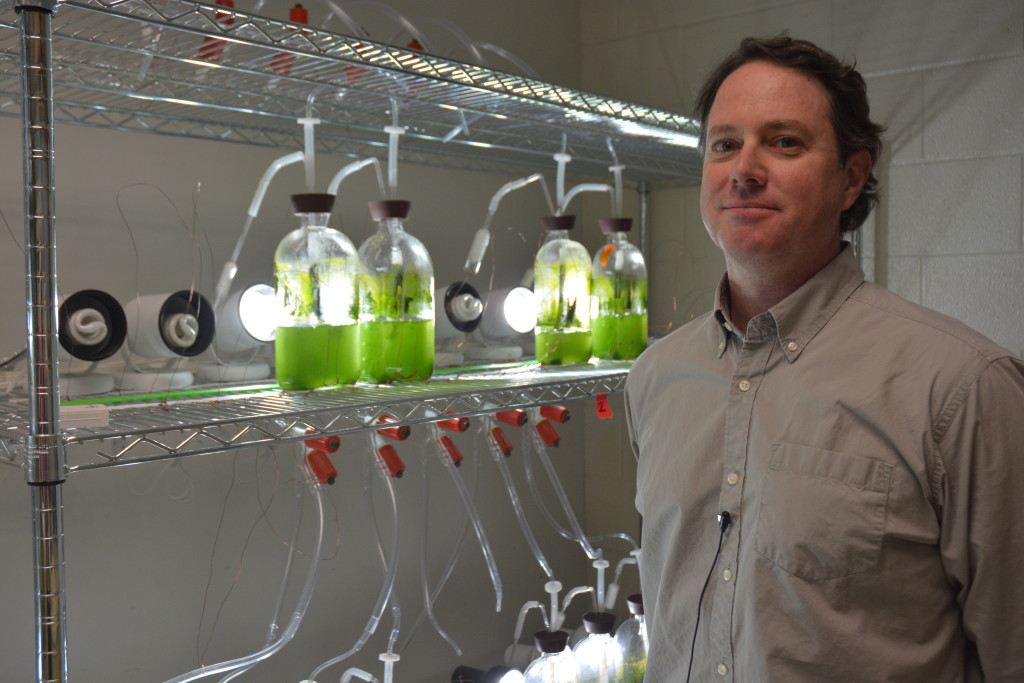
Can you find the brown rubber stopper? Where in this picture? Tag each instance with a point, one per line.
(391, 208)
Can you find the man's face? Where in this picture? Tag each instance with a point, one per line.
(773, 190)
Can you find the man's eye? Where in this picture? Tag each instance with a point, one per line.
(723, 146)
(787, 143)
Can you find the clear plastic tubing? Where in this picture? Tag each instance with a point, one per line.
(517, 505)
(358, 673)
(613, 588)
(556, 484)
(616, 168)
(352, 168)
(300, 606)
(428, 596)
(521, 620)
(600, 565)
(275, 626)
(399, 18)
(389, 577)
(571, 595)
(582, 187)
(562, 159)
(483, 236)
(474, 516)
(227, 274)
(393, 131)
(335, 10)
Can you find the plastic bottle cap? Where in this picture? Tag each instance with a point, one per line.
(551, 641)
(558, 222)
(391, 208)
(312, 202)
(599, 622)
(635, 603)
(610, 225)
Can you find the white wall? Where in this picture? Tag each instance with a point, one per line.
(144, 543)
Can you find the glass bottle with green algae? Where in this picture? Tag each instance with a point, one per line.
(316, 270)
(598, 657)
(561, 282)
(556, 663)
(619, 290)
(632, 639)
(396, 300)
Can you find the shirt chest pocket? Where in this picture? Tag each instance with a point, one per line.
(822, 513)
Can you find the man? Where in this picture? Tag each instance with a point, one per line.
(830, 477)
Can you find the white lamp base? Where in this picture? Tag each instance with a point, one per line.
(233, 372)
(85, 385)
(494, 354)
(155, 382)
(448, 359)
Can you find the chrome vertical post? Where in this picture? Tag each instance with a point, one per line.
(44, 452)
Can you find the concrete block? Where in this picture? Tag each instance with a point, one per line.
(887, 36)
(904, 277)
(984, 291)
(647, 71)
(705, 44)
(610, 19)
(956, 207)
(896, 103)
(974, 110)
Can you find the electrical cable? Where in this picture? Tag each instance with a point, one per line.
(724, 520)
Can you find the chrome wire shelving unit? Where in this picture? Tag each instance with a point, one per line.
(208, 72)
(204, 71)
(208, 421)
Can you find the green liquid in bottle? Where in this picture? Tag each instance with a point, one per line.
(320, 356)
(563, 347)
(619, 337)
(397, 350)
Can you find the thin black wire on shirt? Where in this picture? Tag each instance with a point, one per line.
(700, 601)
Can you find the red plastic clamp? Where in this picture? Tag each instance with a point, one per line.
(327, 444)
(548, 432)
(557, 413)
(397, 433)
(516, 417)
(500, 441)
(451, 449)
(390, 457)
(454, 424)
(322, 466)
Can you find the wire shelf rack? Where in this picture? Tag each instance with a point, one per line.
(150, 430)
(197, 70)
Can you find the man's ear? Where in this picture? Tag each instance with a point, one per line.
(857, 171)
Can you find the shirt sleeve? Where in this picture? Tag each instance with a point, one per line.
(981, 450)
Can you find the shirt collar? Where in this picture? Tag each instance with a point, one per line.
(802, 314)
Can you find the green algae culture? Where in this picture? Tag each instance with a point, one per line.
(561, 273)
(315, 273)
(619, 288)
(396, 300)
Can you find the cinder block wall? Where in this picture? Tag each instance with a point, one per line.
(945, 77)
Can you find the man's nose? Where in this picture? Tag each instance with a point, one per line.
(748, 167)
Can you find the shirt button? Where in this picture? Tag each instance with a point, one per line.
(733, 479)
(744, 385)
(727, 575)
(792, 346)
(722, 669)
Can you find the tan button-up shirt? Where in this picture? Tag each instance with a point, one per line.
(871, 455)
